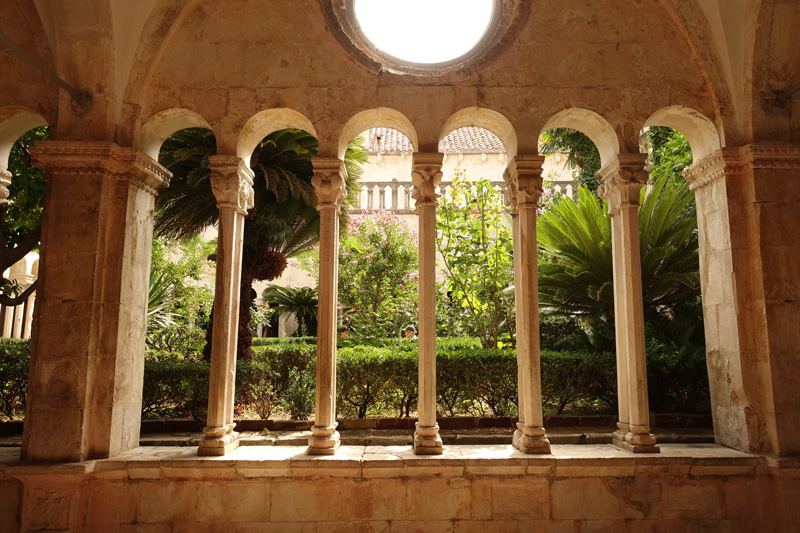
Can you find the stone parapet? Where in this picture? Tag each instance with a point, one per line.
(484, 487)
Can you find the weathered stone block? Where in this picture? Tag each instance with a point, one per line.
(164, 501)
(438, 499)
(239, 501)
(694, 501)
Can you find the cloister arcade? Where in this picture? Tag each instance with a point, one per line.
(247, 68)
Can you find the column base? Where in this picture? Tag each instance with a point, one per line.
(324, 440)
(531, 440)
(638, 439)
(218, 441)
(427, 440)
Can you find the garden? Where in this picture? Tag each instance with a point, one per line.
(378, 294)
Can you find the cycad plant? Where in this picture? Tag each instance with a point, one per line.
(283, 221)
(298, 301)
(576, 268)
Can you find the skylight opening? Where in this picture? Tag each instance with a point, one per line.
(424, 31)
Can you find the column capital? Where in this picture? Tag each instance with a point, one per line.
(622, 179)
(100, 157)
(523, 177)
(329, 182)
(726, 161)
(426, 175)
(232, 182)
(736, 160)
(5, 181)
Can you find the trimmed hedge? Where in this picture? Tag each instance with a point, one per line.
(382, 380)
(15, 359)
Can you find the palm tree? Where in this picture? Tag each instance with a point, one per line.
(283, 221)
(300, 302)
(581, 153)
(576, 271)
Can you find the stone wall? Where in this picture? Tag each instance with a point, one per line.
(469, 488)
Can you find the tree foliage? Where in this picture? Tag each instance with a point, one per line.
(21, 218)
(283, 221)
(581, 153)
(575, 269)
(301, 302)
(378, 275)
(476, 245)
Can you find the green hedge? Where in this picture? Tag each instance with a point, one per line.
(14, 362)
(382, 380)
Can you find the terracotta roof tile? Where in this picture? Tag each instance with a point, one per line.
(471, 140)
(468, 140)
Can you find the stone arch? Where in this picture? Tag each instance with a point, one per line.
(155, 131)
(590, 124)
(703, 137)
(378, 117)
(269, 121)
(14, 122)
(483, 118)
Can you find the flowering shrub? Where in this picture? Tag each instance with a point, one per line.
(378, 275)
(475, 242)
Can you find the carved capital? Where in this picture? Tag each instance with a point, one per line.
(734, 161)
(5, 181)
(329, 182)
(426, 175)
(622, 179)
(232, 182)
(103, 158)
(727, 161)
(523, 178)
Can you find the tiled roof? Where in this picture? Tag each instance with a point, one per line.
(388, 141)
(471, 140)
(468, 140)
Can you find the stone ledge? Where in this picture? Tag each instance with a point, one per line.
(565, 461)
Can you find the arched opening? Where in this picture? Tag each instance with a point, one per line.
(22, 190)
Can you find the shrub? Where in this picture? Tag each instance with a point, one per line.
(280, 375)
(574, 378)
(677, 378)
(14, 362)
(375, 380)
(362, 379)
(175, 387)
(271, 341)
(178, 338)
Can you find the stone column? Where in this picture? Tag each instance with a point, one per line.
(88, 339)
(329, 185)
(426, 176)
(29, 305)
(748, 211)
(232, 182)
(8, 321)
(524, 188)
(620, 184)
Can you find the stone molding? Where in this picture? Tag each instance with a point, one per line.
(5, 181)
(621, 180)
(426, 175)
(232, 182)
(774, 156)
(100, 157)
(329, 182)
(733, 161)
(727, 161)
(523, 177)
